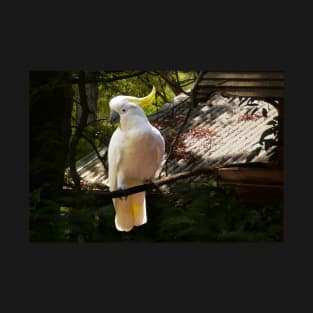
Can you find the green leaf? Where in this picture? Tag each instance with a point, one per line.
(64, 209)
(269, 143)
(264, 112)
(266, 133)
(273, 156)
(272, 122)
(253, 154)
(179, 220)
(253, 217)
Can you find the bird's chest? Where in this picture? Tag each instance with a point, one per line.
(138, 144)
(139, 155)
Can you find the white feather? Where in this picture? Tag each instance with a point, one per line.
(135, 153)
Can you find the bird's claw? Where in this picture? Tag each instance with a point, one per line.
(122, 197)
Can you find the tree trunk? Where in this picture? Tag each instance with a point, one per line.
(92, 97)
(166, 75)
(79, 129)
(50, 130)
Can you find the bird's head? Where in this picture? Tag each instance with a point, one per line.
(127, 108)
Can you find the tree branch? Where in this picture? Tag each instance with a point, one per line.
(192, 105)
(176, 88)
(105, 195)
(82, 123)
(92, 144)
(106, 80)
(177, 136)
(193, 91)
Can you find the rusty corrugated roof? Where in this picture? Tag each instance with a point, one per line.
(217, 133)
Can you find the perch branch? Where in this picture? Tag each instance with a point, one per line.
(159, 182)
(105, 195)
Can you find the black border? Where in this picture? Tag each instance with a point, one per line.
(209, 274)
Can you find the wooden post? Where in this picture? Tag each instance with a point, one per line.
(280, 108)
(281, 152)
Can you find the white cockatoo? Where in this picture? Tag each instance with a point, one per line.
(135, 154)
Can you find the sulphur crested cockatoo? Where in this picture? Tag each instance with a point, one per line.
(135, 153)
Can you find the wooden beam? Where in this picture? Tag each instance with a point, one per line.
(243, 75)
(268, 176)
(235, 88)
(242, 79)
(263, 93)
(245, 92)
(241, 83)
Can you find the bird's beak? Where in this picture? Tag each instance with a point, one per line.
(114, 117)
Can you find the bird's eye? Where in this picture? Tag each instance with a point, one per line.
(123, 110)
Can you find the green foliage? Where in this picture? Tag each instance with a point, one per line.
(51, 222)
(94, 135)
(269, 138)
(209, 212)
(268, 142)
(213, 213)
(138, 86)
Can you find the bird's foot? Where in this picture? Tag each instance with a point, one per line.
(121, 189)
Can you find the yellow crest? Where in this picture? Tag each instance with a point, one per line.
(147, 100)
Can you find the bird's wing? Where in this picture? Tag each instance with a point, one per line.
(160, 144)
(114, 157)
(129, 212)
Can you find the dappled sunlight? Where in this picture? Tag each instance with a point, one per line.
(218, 131)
